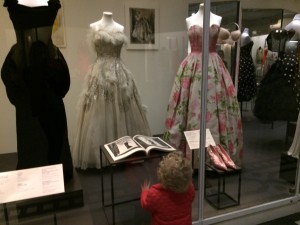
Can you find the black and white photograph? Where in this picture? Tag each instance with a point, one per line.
(141, 26)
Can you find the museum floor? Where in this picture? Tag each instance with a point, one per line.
(261, 183)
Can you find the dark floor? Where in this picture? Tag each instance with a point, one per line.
(261, 183)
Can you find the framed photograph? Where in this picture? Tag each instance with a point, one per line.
(58, 29)
(142, 25)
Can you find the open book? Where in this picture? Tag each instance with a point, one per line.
(126, 146)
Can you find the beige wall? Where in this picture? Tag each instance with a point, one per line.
(154, 71)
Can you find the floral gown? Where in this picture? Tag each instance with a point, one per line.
(223, 114)
(109, 106)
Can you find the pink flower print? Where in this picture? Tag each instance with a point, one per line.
(239, 124)
(184, 62)
(198, 66)
(195, 105)
(231, 147)
(175, 96)
(186, 82)
(208, 116)
(231, 90)
(169, 123)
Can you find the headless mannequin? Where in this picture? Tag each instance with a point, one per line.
(245, 37)
(294, 25)
(107, 22)
(37, 78)
(26, 37)
(197, 19)
(33, 3)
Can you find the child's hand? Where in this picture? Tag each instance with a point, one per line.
(145, 185)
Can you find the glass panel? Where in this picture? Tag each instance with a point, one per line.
(154, 60)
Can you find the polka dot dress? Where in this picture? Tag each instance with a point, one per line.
(246, 81)
(290, 64)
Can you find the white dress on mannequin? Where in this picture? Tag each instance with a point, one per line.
(109, 106)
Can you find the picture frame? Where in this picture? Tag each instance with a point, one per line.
(58, 29)
(142, 25)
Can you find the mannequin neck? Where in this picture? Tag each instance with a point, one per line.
(246, 31)
(33, 3)
(297, 17)
(107, 18)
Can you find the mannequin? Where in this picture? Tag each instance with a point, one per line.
(247, 77)
(107, 22)
(37, 78)
(245, 37)
(109, 106)
(294, 25)
(197, 19)
(223, 113)
(215, 21)
(33, 3)
(294, 150)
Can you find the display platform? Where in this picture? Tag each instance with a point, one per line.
(72, 197)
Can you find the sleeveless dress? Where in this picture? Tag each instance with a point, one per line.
(36, 87)
(246, 81)
(278, 93)
(223, 114)
(109, 106)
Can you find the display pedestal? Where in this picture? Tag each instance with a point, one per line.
(220, 199)
(288, 167)
(70, 199)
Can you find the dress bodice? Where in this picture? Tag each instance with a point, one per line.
(246, 49)
(107, 43)
(277, 38)
(24, 17)
(195, 33)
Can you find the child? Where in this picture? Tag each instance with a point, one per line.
(170, 201)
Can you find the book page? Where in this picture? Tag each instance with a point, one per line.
(122, 147)
(30, 183)
(152, 142)
(193, 138)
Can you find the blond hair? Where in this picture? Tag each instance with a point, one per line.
(175, 172)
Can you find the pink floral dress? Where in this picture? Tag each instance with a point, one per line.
(223, 113)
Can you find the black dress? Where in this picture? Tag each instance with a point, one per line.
(246, 81)
(36, 80)
(278, 91)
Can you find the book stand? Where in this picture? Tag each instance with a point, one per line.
(221, 199)
(112, 164)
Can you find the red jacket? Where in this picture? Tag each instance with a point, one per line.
(168, 207)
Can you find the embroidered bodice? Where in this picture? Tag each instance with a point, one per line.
(195, 34)
(107, 42)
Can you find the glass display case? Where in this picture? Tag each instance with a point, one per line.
(155, 49)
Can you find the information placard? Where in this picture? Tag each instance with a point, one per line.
(30, 183)
(193, 138)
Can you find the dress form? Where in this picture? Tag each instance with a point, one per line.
(36, 78)
(294, 25)
(107, 22)
(245, 37)
(294, 150)
(33, 3)
(197, 19)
